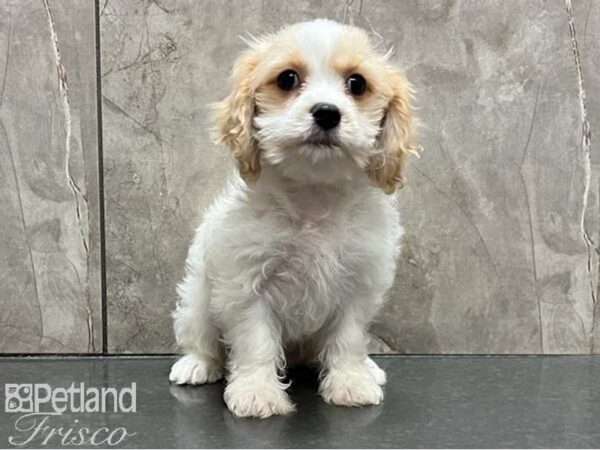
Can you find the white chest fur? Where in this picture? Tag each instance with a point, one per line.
(305, 252)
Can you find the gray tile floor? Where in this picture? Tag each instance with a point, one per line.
(538, 401)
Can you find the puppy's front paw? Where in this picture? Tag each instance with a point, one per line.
(245, 397)
(191, 369)
(377, 372)
(351, 387)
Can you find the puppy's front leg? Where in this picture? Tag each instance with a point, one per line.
(256, 358)
(348, 378)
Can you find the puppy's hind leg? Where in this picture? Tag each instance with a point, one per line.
(196, 334)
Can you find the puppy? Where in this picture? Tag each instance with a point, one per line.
(298, 252)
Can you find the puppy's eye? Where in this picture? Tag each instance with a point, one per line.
(356, 84)
(288, 80)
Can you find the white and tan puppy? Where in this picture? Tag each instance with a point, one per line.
(297, 253)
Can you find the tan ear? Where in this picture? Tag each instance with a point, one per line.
(234, 117)
(395, 138)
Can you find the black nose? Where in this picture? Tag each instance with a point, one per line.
(326, 115)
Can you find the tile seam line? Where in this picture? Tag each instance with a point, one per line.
(101, 198)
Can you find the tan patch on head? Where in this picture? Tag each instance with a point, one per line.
(346, 65)
(268, 92)
(367, 67)
(354, 55)
(288, 59)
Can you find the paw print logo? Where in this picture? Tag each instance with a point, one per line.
(18, 398)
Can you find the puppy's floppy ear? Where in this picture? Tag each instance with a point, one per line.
(396, 135)
(234, 117)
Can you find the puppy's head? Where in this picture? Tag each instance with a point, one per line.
(317, 102)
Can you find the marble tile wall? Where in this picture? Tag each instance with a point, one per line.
(49, 212)
(501, 213)
(50, 292)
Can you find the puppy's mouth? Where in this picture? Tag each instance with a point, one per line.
(322, 140)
